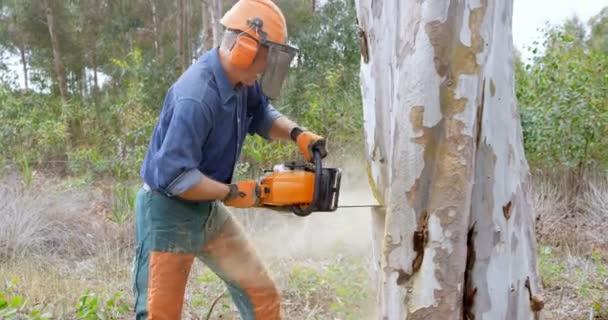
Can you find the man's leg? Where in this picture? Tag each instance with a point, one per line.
(228, 252)
(168, 234)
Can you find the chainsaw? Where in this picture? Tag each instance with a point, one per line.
(302, 187)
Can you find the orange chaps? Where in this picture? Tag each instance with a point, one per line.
(170, 233)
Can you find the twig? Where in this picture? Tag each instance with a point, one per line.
(213, 305)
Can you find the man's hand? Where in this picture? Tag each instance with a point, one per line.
(244, 194)
(307, 142)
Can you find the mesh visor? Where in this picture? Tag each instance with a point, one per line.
(277, 65)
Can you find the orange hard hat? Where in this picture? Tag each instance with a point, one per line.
(244, 12)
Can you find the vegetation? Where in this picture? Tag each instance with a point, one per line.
(562, 94)
(72, 137)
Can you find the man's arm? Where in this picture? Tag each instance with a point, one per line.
(206, 189)
(281, 128)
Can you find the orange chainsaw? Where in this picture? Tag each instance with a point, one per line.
(302, 187)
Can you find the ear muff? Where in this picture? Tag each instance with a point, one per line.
(244, 51)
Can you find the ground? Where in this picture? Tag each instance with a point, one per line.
(66, 249)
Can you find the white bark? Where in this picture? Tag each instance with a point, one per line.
(446, 158)
(212, 29)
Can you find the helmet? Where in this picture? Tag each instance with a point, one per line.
(243, 13)
(260, 23)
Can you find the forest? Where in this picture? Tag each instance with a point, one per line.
(81, 87)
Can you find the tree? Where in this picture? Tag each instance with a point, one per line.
(212, 29)
(599, 31)
(180, 15)
(13, 34)
(444, 143)
(563, 104)
(57, 57)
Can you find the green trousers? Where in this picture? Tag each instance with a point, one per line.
(170, 233)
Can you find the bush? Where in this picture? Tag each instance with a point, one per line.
(564, 106)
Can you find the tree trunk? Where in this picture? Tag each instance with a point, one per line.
(95, 77)
(187, 28)
(179, 28)
(22, 49)
(155, 23)
(216, 9)
(59, 71)
(445, 153)
(97, 21)
(207, 25)
(212, 28)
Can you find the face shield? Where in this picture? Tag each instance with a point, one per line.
(278, 62)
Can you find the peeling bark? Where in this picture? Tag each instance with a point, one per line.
(453, 178)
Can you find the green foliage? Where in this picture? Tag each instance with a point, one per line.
(123, 202)
(258, 155)
(16, 307)
(344, 282)
(550, 268)
(81, 137)
(91, 307)
(31, 128)
(106, 132)
(323, 91)
(563, 99)
(583, 275)
(212, 287)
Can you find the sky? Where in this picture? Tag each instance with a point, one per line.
(528, 17)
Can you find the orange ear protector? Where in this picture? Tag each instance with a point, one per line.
(246, 47)
(244, 51)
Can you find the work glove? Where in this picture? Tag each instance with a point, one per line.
(244, 194)
(307, 142)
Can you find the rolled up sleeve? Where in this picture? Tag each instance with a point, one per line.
(180, 154)
(265, 113)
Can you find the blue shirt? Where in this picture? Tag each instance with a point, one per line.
(202, 127)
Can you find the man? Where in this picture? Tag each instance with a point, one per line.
(188, 168)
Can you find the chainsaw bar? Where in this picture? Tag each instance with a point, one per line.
(360, 206)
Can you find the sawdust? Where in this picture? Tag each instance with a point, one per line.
(322, 234)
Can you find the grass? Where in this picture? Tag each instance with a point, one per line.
(66, 252)
(574, 285)
(573, 249)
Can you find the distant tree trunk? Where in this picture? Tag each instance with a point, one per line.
(212, 28)
(83, 82)
(22, 50)
(187, 28)
(207, 25)
(95, 79)
(216, 9)
(179, 28)
(155, 26)
(97, 21)
(314, 6)
(456, 237)
(57, 58)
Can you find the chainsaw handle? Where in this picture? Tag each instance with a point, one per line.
(299, 210)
